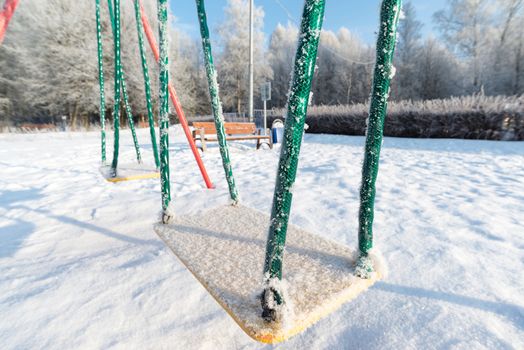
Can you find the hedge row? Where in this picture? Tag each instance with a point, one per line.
(470, 117)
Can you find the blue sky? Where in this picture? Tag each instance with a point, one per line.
(359, 16)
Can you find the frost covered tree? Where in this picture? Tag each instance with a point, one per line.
(464, 25)
(188, 73)
(233, 59)
(281, 55)
(487, 35)
(52, 70)
(505, 57)
(344, 67)
(406, 85)
(343, 72)
(517, 53)
(438, 72)
(48, 62)
(52, 49)
(355, 61)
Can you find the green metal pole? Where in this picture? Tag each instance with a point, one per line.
(147, 82)
(129, 114)
(101, 81)
(164, 111)
(389, 17)
(298, 100)
(111, 14)
(215, 100)
(116, 109)
(127, 106)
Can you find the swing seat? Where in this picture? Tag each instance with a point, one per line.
(224, 249)
(128, 172)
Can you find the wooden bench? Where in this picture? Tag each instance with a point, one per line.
(206, 132)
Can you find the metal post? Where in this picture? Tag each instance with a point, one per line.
(305, 61)
(118, 82)
(127, 106)
(129, 114)
(101, 82)
(389, 17)
(164, 111)
(251, 61)
(147, 82)
(265, 117)
(215, 100)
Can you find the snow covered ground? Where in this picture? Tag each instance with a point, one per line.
(81, 267)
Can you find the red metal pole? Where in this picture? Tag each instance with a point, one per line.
(174, 99)
(5, 16)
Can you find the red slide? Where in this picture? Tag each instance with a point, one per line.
(5, 16)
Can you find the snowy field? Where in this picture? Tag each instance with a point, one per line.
(81, 267)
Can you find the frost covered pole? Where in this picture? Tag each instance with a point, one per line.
(118, 71)
(5, 16)
(164, 110)
(298, 99)
(101, 82)
(127, 107)
(215, 100)
(147, 82)
(384, 72)
(251, 60)
(129, 114)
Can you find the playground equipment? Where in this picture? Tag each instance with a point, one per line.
(6, 14)
(321, 275)
(111, 172)
(223, 247)
(114, 172)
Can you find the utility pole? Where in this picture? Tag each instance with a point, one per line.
(265, 94)
(250, 61)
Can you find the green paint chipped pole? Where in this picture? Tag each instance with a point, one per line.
(215, 100)
(298, 100)
(147, 82)
(384, 72)
(164, 111)
(116, 109)
(113, 17)
(101, 82)
(129, 114)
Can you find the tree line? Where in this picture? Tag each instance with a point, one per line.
(48, 62)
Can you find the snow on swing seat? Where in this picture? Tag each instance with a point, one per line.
(128, 172)
(224, 249)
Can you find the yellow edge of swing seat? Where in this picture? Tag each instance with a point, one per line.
(133, 177)
(224, 249)
(130, 172)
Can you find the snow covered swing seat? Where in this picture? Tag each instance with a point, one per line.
(274, 296)
(128, 172)
(224, 249)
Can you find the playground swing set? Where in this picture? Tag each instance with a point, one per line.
(224, 247)
(114, 172)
